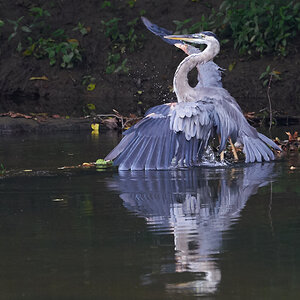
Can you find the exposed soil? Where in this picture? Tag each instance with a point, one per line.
(151, 68)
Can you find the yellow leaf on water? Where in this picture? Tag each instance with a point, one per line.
(39, 78)
(95, 127)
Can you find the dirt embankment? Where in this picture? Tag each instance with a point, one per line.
(150, 67)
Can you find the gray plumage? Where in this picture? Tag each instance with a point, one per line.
(176, 134)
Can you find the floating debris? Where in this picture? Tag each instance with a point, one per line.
(116, 120)
(101, 163)
(290, 145)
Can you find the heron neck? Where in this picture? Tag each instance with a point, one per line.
(184, 92)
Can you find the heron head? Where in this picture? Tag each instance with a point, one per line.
(204, 37)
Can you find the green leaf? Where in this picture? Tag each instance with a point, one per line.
(19, 47)
(58, 33)
(67, 58)
(26, 29)
(12, 36)
(110, 69)
(106, 4)
(101, 163)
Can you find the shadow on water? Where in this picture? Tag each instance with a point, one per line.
(197, 207)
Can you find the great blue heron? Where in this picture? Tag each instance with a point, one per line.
(176, 134)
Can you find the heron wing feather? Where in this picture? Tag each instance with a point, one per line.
(169, 135)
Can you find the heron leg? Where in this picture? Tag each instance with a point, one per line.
(222, 156)
(233, 150)
(222, 153)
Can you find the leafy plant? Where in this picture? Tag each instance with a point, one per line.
(122, 67)
(44, 42)
(121, 41)
(16, 25)
(267, 74)
(271, 75)
(38, 21)
(131, 3)
(112, 60)
(112, 29)
(259, 26)
(39, 12)
(89, 82)
(2, 170)
(255, 26)
(67, 52)
(180, 26)
(80, 27)
(106, 4)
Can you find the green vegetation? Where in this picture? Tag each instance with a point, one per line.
(131, 3)
(80, 27)
(121, 41)
(67, 52)
(263, 27)
(268, 74)
(106, 4)
(37, 39)
(199, 26)
(89, 81)
(255, 26)
(2, 170)
(103, 164)
(15, 27)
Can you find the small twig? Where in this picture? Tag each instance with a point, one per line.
(270, 103)
(124, 120)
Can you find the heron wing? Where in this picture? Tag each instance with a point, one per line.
(170, 135)
(231, 123)
(160, 31)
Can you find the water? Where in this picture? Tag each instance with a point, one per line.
(209, 233)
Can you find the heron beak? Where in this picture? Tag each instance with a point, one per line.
(185, 37)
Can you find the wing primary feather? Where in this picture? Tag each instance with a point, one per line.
(151, 159)
(127, 159)
(120, 147)
(139, 162)
(269, 141)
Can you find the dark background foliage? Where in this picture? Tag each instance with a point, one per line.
(72, 57)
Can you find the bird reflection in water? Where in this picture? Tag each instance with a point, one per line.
(196, 206)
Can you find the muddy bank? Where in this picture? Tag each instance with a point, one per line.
(150, 67)
(20, 125)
